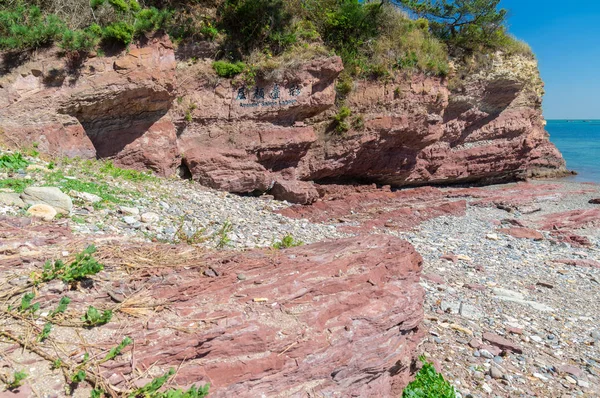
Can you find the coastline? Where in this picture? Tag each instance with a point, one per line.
(508, 273)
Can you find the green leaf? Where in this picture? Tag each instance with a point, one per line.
(78, 377)
(93, 317)
(45, 332)
(112, 354)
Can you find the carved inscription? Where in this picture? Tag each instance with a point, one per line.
(263, 97)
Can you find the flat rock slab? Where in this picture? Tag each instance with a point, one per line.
(337, 318)
(502, 343)
(523, 233)
(49, 196)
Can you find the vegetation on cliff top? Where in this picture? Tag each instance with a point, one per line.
(372, 37)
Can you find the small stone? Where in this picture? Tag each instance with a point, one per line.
(486, 354)
(540, 376)
(486, 388)
(492, 237)
(130, 220)
(537, 339)
(86, 197)
(210, 273)
(502, 343)
(131, 211)
(150, 217)
(45, 212)
(241, 277)
(595, 201)
(595, 334)
(570, 369)
(498, 359)
(570, 380)
(514, 330)
(496, 373)
(583, 384)
(475, 343)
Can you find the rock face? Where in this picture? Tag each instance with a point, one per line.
(277, 134)
(104, 107)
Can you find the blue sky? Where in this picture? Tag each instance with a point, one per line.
(565, 37)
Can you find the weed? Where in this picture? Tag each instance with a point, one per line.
(428, 384)
(33, 152)
(344, 86)
(112, 354)
(78, 377)
(26, 304)
(287, 242)
(131, 175)
(62, 307)
(95, 393)
(198, 236)
(339, 122)
(78, 220)
(83, 266)
(107, 193)
(13, 161)
(17, 380)
(93, 317)
(18, 185)
(56, 364)
(223, 235)
(397, 92)
(358, 123)
(151, 389)
(45, 332)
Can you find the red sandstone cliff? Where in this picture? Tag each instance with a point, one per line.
(146, 110)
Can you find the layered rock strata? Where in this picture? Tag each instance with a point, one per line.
(145, 110)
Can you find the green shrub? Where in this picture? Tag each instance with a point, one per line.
(151, 19)
(26, 28)
(228, 69)
(120, 5)
(428, 384)
(344, 86)
(119, 32)
(340, 124)
(254, 24)
(81, 40)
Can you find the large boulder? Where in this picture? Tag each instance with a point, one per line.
(51, 196)
(295, 191)
(228, 170)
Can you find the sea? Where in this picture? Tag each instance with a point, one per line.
(579, 142)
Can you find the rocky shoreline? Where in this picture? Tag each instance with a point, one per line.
(510, 273)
